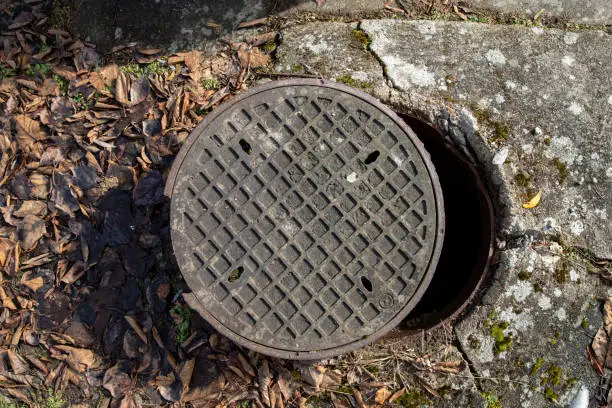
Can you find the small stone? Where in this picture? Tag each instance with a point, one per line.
(501, 156)
(32, 338)
(151, 127)
(537, 131)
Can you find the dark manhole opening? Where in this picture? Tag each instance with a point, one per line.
(469, 236)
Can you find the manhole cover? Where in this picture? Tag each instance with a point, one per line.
(306, 218)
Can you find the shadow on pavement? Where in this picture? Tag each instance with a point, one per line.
(172, 24)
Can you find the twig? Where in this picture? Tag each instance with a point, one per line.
(287, 74)
(389, 7)
(404, 6)
(252, 23)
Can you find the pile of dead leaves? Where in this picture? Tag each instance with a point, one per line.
(88, 282)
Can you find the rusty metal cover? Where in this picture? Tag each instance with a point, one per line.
(306, 217)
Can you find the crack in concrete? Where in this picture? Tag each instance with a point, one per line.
(388, 80)
(470, 365)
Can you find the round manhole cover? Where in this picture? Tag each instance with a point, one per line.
(306, 218)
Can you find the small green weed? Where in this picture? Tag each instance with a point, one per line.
(63, 84)
(38, 69)
(49, 399)
(211, 84)
(83, 103)
(6, 71)
(182, 316)
(492, 400)
(141, 70)
(479, 19)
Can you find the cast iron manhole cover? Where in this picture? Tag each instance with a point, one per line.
(306, 217)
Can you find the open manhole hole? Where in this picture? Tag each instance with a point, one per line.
(306, 217)
(468, 237)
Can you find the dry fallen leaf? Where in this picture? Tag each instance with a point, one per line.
(258, 58)
(6, 300)
(608, 316)
(33, 284)
(137, 329)
(31, 207)
(382, 395)
(534, 201)
(109, 73)
(76, 271)
(29, 231)
(28, 129)
(116, 381)
(122, 88)
(6, 249)
(97, 80)
(18, 364)
(593, 360)
(600, 345)
(80, 359)
(332, 379)
(359, 398)
(313, 375)
(265, 379)
(397, 394)
(150, 51)
(186, 374)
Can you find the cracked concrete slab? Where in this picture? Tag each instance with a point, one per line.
(586, 12)
(547, 94)
(531, 107)
(306, 49)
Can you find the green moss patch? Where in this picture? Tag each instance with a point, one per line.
(363, 38)
(491, 399)
(413, 398)
(503, 341)
(355, 83)
(561, 168)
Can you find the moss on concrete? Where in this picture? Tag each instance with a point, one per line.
(492, 400)
(536, 366)
(363, 38)
(61, 14)
(501, 132)
(355, 83)
(524, 275)
(522, 180)
(503, 341)
(561, 273)
(585, 323)
(413, 398)
(561, 168)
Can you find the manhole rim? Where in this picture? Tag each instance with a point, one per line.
(439, 213)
